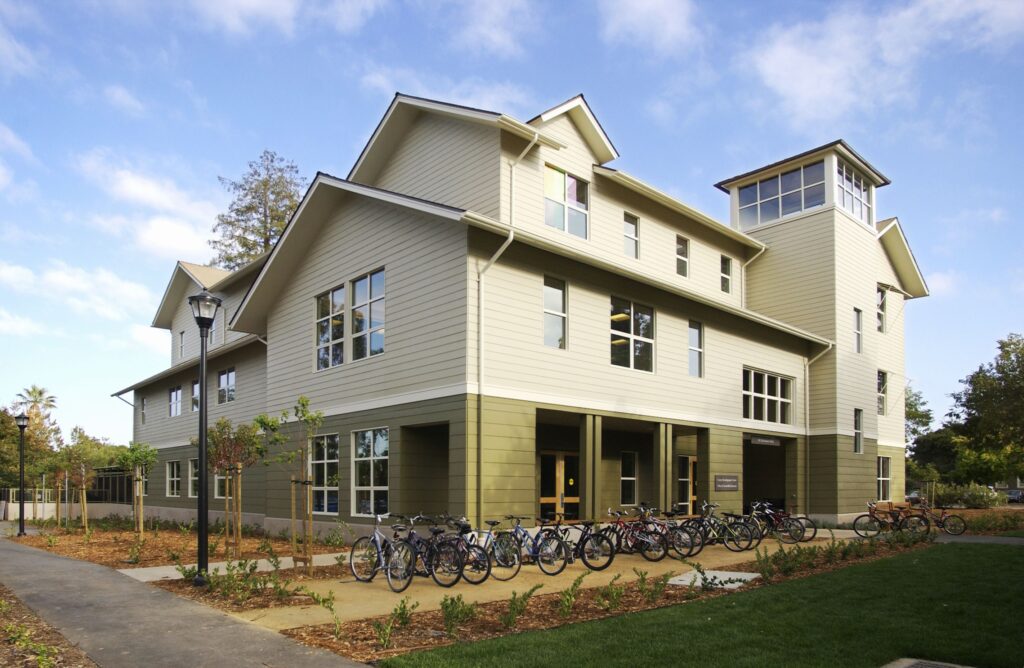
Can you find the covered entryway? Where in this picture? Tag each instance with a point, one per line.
(764, 470)
(560, 485)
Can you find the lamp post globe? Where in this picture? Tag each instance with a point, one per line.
(204, 309)
(22, 421)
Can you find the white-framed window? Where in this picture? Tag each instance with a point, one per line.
(632, 335)
(174, 479)
(555, 312)
(212, 334)
(174, 401)
(566, 202)
(323, 469)
(368, 315)
(782, 195)
(683, 490)
(631, 235)
(682, 256)
(853, 193)
(370, 472)
(195, 396)
(767, 396)
(726, 273)
(884, 478)
(181, 344)
(330, 328)
(858, 330)
(145, 483)
(142, 410)
(696, 345)
(220, 485)
(858, 431)
(880, 309)
(883, 391)
(193, 478)
(226, 386)
(627, 478)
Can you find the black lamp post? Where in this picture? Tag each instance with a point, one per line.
(22, 422)
(204, 310)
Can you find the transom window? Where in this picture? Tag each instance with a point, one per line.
(174, 401)
(566, 202)
(323, 466)
(782, 195)
(554, 312)
(226, 386)
(696, 344)
(330, 328)
(858, 331)
(883, 391)
(368, 315)
(370, 471)
(193, 478)
(853, 193)
(767, 397)
(726, 273)
(627, 479)
(881, 309)
(682, 256)
(631, 235)
(632, 336)
(884, 478)
(858, 431)
(195, 396)
(174, 478)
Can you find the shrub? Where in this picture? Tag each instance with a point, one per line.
(135, 550)
(327, 603)
(657, 590)
(51, 540)
(187, 572)
(609, 597)
(403, 611)
(969, 496)
(765, 565)
(382, 631)
(995, 522)
(456, 611)
(517, 606)
(832, 549)
(641, 581)
(567, 597)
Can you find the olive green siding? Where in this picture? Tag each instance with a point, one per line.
(897, 486)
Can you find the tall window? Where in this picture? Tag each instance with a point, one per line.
(174, 478)
(370, 471)
(682, 256)
(884, 478)
(174, 401)
(726, 273)
(627, 479)
(566, 201)
(632, 343)
(226, 386)
(683, 492)
(858, 431)
(213, 329)
(767, 397)
(195, 396)
(142, 410)
(554, 312)
(782, 195)
(858, 331)
(368, 315)
(883, 390)
(323, 466)
(881, 309)
(220, 485)
(853, 192)
(631, 235)
(193, 478)
(330, 328)
(181, 345)
(696, 343)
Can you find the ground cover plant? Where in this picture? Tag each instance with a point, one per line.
(26, 640)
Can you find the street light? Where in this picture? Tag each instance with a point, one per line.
(22, 422)
(204, 310)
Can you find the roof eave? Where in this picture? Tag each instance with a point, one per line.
(895, 243)
(189, 363)
(839, 145)
(581, 113)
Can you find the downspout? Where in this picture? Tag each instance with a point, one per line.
(807, 424)
(480, 309)
(743, 283)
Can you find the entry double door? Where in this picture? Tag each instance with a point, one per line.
(560, 484)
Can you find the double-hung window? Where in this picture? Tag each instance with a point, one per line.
(631, 235)
(858, 331)
(323, 466)
(566, 202)
(174, 401)
(226, 386)
(696, 344)
(782, 195)
(330, 328)
(193, 478)
(220, 486)
(883, 391)
(142, 410)
(174, 479)
(370, 471)
(627, 479)
(726, 273)
(368, 315)
(195, 396)
(884, 478)
(858, 431)
(554, 312)
(682, 256)
(767, 397)
(881, 309)
(632, 335)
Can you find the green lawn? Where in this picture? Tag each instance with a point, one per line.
(947, 603)
(1014, 534)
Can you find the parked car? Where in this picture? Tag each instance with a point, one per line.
(1015, 496)
(914, 497)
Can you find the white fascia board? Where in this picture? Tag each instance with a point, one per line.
(579, 105)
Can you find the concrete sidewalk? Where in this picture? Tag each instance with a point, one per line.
(121, 622)
(984, 540)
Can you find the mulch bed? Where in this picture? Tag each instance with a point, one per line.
(25, 637)
(260, 600)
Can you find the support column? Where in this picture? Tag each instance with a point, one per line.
(663, 465)
(590, 467)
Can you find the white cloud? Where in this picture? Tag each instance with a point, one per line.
(12, 143)
(6, 177)
(943, 283)
(156, 340)
(15, 58)
(121, 98)
(17, 325)
(16, 277)
(494, 28)
(504, 96)
(348, 16)
(241, 17)
(666, 27)
(173, 238)
(98, 292)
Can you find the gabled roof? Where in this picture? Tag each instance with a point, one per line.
(839, 146)
(189, 277)
(405, 108)
(894, 242)
(666, 200)
(579, 111)
(189, 363)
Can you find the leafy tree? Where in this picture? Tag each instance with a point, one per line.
(41, 436)
(918, 415)
(138, 459)
(36, 399)
(264, 199)
(82, 457)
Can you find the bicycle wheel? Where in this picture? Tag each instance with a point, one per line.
(653, 546)
(954, 525)
(915, 524)
(400, 566)
(790, 531)
(683, 541)
(867, 526)
(505, 557)
(552, 555)
(736, 537)
(810, 528)
(476, 565)
(444, 563)
(611, 534)
(756, 534)
(597, 552)
(363, 559)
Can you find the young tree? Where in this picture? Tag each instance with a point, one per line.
(138, 459)
(918, 415)
(83, 456)
(264, 199)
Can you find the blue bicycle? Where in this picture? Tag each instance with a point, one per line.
(547, 550)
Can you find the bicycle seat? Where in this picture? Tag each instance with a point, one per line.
(436, 530)
(587, 523)
(492, 523)
(541, 521)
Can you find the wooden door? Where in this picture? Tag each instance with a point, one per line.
(560, 485)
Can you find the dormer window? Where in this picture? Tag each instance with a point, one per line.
(566, 202)
(853, 192)
(782, 195)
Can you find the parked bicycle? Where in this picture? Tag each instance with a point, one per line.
(370, 553)
(954, 525)
(595, 551)
(635, 535)
(415, 555)
(771, 521)
(476, 564)
(876, 521)
(505, 557)
(735, 535)
(547, 550)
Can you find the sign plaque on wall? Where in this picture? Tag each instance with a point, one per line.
(727, 483)
(765, 440)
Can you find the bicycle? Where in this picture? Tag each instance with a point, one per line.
(594, 550)
(476, 564)
(954, 525)
(635, 536)
(506, 560)
(770, 520)
(440, 559)
(370, 553)
(548, 551)
(736, 536)
(875, 521)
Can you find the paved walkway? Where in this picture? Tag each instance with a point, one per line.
(119, 621)
(985, 540)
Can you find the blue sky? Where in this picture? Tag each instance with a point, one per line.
(117, 117)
